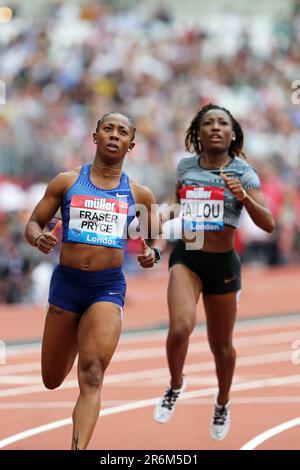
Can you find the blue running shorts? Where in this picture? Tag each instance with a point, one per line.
(75, 290)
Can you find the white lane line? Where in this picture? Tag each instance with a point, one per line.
(162, 381)
(34, 404)
(20, 379)
(23, 349)
(16, 391)
(242, 342)
(260, 400)
(246, 324)
(200, 331)
(247, 361)
(24, 367)
(149, 402)
(256, 441)
(154, 335)
(53, 404)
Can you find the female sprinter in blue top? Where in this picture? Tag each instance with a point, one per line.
(87, 288)
(213, 187)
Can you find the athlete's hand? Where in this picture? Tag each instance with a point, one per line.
(147, 256)
(235, 186)
(47, 241)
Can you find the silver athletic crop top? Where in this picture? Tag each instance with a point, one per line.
(207, 203)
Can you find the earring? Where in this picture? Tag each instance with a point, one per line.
(233, 138)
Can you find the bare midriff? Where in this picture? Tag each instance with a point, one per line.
(217, 242)
(90, 258)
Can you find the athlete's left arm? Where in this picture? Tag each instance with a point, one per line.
(255, 203)
(257, 208)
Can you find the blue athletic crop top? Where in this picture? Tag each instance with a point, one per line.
(96, 216)
(206, 202)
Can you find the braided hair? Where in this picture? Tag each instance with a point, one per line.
(105, 116)
(192, 143)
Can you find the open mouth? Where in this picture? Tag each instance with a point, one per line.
(215, 138)
(112, 147)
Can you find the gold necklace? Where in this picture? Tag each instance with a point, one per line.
(227, 161)
(107, 173)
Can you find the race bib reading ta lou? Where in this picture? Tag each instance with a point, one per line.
(202, 208)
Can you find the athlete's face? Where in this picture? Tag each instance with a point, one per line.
(114, 137)
(215, 131)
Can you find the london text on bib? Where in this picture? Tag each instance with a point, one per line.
(202, 208)
(97, 220)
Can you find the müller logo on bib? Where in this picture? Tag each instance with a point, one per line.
(91, 202)
(203, 192)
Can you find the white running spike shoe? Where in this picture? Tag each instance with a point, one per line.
(164, 410)
(220, 423)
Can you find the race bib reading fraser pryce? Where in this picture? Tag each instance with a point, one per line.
(97, 220)
(202, 208)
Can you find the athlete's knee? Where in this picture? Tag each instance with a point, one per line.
(91, 374)
(51, 382)
(181, 331)
(223, 351)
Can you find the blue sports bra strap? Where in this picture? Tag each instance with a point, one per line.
(125, 179)
(84, 173)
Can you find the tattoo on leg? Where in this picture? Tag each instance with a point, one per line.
(55, 310)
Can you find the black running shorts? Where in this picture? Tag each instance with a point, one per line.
(220, 273)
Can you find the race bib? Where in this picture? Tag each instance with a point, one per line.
(202, 208)
(97, 221)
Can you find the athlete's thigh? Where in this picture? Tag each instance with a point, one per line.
(220, 313)
(183, 294)
(98, 333)
(59, 347)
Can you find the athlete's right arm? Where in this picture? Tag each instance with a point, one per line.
(44, 212)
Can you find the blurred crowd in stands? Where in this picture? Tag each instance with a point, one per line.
(65, 70)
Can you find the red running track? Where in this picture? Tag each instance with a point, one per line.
(265, 393)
